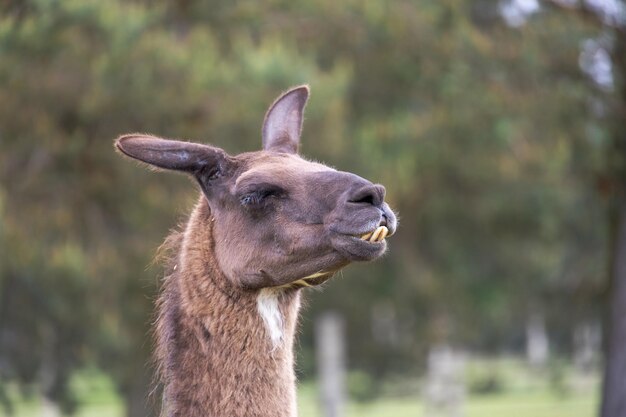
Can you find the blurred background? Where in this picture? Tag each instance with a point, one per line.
(497, 128)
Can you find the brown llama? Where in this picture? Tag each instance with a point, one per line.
(267, 224)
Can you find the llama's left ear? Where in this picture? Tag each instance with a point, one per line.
(193, 158)
(283, 122)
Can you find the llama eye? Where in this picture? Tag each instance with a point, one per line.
(249, 199)
(257, 197)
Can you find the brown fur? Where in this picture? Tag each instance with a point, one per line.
(211, 343)
(267, 224)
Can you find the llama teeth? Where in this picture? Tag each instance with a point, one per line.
(375, 235)
(383, 233)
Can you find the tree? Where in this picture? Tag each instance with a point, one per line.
(605, 63)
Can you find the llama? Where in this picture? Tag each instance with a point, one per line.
(266, 224)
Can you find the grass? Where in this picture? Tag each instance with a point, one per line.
(558, 392)
(506, 404)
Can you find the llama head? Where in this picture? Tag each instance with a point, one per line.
(278, 219)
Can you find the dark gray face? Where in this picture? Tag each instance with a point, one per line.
(278, 219)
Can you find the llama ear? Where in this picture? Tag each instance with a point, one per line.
(283, 122)
(176, 155)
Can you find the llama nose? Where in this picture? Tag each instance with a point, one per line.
(373, 194)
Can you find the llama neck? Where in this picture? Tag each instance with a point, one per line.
(223, 350)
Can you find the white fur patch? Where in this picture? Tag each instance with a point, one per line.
(267, 304)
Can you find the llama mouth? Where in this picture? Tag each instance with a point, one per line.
(365, 247)
(377, 235)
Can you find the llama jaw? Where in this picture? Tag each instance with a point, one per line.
(312, 280)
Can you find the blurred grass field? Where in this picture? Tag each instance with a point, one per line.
(522, 393)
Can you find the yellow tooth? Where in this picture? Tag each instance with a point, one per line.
(383, 234)
(366, 236)
(375, 235)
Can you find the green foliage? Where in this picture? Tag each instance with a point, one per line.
(486, 382)
(361, 387)
(482, 134)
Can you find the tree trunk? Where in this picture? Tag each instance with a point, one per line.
(330, 345)
(48, 374)
(537, 342)
(614, 389)
(614, 392)
(49, 408)
(444, 392)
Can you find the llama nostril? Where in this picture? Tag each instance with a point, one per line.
(373, 195)
(364, 199)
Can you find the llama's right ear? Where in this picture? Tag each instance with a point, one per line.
(283, 122)
(193, 158)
